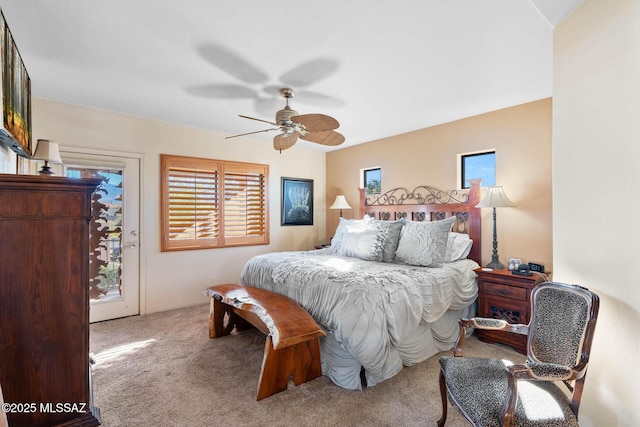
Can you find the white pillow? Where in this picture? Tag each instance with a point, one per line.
(424, 243)
(346, 241)
(458, 247)
(363, 244)
(336, 241)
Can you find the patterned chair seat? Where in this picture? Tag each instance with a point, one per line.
(540, 403)
(493, 392)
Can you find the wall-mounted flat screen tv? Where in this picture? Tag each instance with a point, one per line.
(15, 129)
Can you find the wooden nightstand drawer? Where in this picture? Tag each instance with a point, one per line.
(502, 295)
(505, 291)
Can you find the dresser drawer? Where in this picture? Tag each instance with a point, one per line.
(505, 291)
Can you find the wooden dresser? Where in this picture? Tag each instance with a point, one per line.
(44, 305)
(506, 296)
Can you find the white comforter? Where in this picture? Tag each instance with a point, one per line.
(377, 315)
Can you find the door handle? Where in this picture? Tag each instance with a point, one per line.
(131, 245)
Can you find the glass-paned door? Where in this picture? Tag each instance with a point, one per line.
(114, 237)
(105, 236)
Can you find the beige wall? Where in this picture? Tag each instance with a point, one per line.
(177, 279)
(596, 154)
(521, 136)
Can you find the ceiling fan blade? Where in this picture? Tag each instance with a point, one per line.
(316, 122)
(328, 137)
(284, 141)
(251, 133)
(259, 120)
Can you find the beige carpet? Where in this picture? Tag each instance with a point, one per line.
(163, 370)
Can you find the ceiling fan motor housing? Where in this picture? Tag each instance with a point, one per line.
(283, 117)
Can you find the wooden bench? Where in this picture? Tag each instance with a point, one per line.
(292, 347)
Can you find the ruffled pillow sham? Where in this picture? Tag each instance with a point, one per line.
(390, 244)
(424, 243)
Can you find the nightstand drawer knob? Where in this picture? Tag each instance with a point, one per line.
(505, 291)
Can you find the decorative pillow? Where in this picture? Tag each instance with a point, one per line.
(458, 247)
(350, 231)
(336, 241)
(361, 243)
(391, 243)
(424, 243)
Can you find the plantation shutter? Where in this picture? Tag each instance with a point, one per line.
(210, 203)
(245, 216)
(193, 206)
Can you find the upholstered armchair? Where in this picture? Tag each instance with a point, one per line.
(493, 392)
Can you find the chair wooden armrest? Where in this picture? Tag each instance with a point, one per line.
(486, 323)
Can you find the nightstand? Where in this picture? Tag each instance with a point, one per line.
(505, 296)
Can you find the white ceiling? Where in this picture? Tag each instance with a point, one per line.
(381, 68)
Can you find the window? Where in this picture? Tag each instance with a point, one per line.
(478, 165)
(210, 203)
(372, 179)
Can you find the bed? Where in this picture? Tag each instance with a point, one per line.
(390, 289)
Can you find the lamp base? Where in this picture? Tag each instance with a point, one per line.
(495, 264)
(46, 170)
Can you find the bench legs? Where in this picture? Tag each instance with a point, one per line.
(302, 361)
(217, 325)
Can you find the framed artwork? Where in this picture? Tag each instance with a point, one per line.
(297, 201)
(15, 128)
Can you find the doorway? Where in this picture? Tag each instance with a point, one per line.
(114, 259)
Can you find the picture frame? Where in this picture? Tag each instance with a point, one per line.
(15, 90)
(297, 201)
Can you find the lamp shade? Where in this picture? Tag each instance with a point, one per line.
(495, 198)
(340, 203)
(48, 151)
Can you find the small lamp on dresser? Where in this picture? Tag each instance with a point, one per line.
(340, 203)
(495, 198)
(47, 151)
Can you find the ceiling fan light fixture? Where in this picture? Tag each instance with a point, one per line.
(317, 128)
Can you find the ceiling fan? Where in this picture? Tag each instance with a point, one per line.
(317, 128)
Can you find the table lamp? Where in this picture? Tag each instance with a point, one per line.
(340, 203)
(495, 198)
(48, 151)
